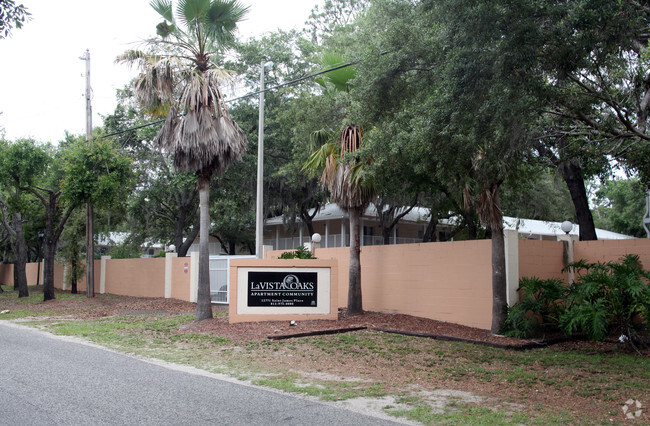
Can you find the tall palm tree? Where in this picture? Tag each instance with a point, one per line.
(489, 211)
(180, 80)
(342, 172)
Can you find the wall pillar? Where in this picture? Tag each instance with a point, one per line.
(194, 276)
(102, 274)
(511, 243)
(265, 250)
(568, 252)
(64, 285)
(169, 258)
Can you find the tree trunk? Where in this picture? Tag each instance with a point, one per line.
(50, 246)
(74, 270)
(183, 246)
(385, 233)
(203, 303)
(572, 174)
(48, 270)
(499, 295)
(20, 275)
(470, 224)
(355, 304)
(430, 232)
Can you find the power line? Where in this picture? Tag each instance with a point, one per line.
(279, 86)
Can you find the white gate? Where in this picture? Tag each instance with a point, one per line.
(220, 277)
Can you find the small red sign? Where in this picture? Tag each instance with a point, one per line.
(186, 267)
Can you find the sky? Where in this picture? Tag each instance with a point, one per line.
(42, 78)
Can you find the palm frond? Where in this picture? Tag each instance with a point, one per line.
(318, 160)
(192, 12)
(155, 87)
(164, 9)
(339, 78)
(206, 143)
(221, 19)
(164, 29)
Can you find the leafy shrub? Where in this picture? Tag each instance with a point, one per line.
(539, 308)
(606, 298)
(299, 253)
(609, 297)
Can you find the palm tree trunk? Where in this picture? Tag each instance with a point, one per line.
(355, 304)
(203, 303)
(498, 280)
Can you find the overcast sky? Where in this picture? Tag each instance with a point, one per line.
(42, 82)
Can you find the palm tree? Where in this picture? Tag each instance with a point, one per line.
(180, 80)
(489, 211)
(342, 172)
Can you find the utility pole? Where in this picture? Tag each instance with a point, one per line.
(90, 242)
(259, 217)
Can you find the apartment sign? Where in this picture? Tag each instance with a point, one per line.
(282, 289)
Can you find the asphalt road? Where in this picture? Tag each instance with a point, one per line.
(49, 380)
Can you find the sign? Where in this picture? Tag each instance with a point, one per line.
(282, 289)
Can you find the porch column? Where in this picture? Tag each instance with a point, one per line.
(327, 233)
(395, 234)
(277, 237)
(343, 231)
(300, 234)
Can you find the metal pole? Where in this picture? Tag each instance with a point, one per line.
(90, 242)
(646, 217)
(259, 218)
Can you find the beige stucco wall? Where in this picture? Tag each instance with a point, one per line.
(541, 259)
(81, 283)
(610, 250)
(31, 270)
(7, 274)
(270, 264)
(449, 281)
(181, 278)
(135, 277)
(58, 275)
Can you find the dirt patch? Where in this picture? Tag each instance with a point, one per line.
(107, 305)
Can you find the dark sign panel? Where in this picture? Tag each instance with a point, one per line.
(282, 289)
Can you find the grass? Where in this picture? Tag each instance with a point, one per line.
(529, 387)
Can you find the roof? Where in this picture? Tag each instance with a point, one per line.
(526, 227)
(331, 211)
(531, 227)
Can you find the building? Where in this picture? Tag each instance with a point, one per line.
(333, 226)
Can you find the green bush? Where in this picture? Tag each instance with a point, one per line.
(538, 310)
(299, 253)
(606, 298)
(609, 297)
